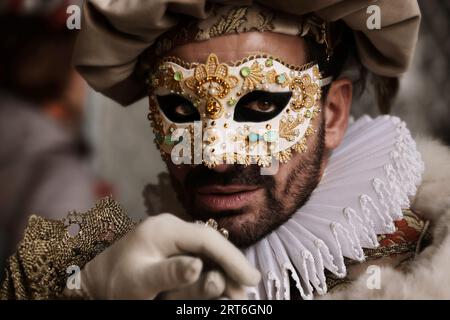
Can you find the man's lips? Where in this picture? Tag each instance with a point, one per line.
(220, 198)
(225, 189)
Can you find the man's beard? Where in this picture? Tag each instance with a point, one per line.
(275, 210)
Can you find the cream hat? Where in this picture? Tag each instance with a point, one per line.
(115, 34)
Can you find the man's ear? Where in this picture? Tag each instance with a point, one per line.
(337, 109)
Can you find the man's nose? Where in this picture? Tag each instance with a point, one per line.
(222, 167)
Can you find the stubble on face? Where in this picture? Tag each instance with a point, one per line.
(277, 197)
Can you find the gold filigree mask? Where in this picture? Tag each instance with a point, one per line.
(245, 112)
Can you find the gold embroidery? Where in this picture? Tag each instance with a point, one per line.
(214, 108)
(229, 23)
(255, 77)
(237, 63)
(288, 127)
(265, 22)
(271, 76)
(236, 20)
(264, 161)
(306, 91)
(38, 269)
(284, 156)
(229, 158)
(212, 80)
(301, 146)
(242, 159)
(316, 72)
(214, 75)
(169, 79)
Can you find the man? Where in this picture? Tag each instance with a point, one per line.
(277, 168)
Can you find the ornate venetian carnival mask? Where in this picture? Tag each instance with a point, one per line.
(245, 112)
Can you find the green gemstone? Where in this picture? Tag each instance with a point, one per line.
(245, 72)
(231, 102)
(269, 62)
(271, 136)
(168, 140)
(178, 76)
(253, 137)
(308, 114)
(281, 78)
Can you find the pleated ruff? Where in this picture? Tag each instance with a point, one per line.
(367, 183)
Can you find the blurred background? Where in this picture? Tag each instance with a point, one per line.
(63, 145)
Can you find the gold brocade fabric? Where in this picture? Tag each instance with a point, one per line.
(226, 20)
(38, 269)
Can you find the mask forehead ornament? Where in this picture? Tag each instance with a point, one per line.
(243, 112)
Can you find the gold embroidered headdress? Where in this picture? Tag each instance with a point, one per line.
(225, 20)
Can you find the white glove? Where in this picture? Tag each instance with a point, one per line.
(156, 258)
(210, 285)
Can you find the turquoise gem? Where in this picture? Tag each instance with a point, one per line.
(281, 78)
(253, 137)
(271, 136)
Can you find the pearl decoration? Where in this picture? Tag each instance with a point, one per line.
(212, 91)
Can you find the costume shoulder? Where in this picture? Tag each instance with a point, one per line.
(427, 276)
(39, 268)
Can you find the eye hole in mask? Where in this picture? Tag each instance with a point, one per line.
(178, 109)
(259, 106)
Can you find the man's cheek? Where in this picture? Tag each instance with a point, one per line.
(280, 180)
(179, 173)
(283, 172)
(286, 170)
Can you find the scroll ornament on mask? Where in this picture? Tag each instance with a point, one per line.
(211, 93)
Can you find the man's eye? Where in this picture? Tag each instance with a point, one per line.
(259, 106)
(178, 109)
(185, 110)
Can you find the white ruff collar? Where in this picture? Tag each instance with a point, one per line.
(364, 187)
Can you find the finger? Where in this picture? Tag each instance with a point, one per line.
(211, 285)
(174, 272)
(235, 291)
(198, 239)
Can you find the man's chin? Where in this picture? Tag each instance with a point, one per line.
(242, 226)
(227, 219)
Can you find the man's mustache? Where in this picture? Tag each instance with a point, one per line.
(201, 176)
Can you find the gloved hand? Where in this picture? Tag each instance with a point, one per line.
(210, 285)
(157, 257)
